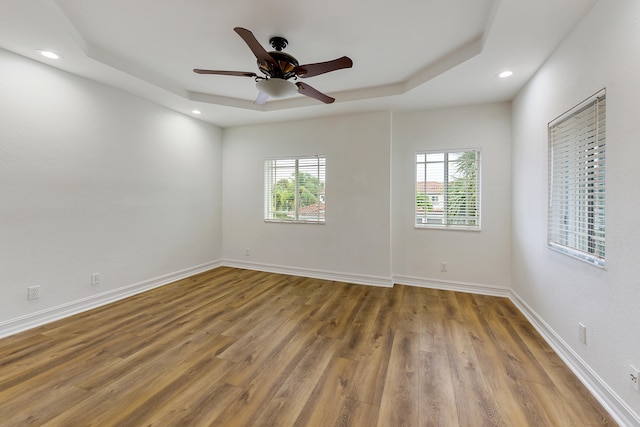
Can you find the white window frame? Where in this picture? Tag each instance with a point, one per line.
(421, 220)
(272, 176)
(576, 212)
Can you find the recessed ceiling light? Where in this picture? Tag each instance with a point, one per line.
(49, 54)
(504, 74)
(196, 112)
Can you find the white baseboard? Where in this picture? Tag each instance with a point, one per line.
(618, 409)
(472, 288)
(42, 317)
(360, 279)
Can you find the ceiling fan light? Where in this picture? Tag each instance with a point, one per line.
(277, 88)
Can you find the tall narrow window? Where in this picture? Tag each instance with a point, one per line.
(295, 189)
(448, 189)
(577, 181)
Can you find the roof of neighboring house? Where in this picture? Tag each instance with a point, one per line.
(311, 209)
(430, 187)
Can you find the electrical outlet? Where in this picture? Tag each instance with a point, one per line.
(443, 266)
(247, 252)
(95, 279)
(633, 377)
(582, 333)
(33, 292)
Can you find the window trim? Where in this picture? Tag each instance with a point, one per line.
(591, 258)
(452, 227)
(266, 194)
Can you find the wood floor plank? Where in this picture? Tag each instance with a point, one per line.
(474, 403)
(286, 404)
(168, 386)
(400, 400)
(355, 341)
(341, 318)
(247, 409)
(484, 341)
(291, 337)
(232, 347)
(260, 333)
(40, 413)
(554, 410)
(433, 335)
(318, 291)
(121, 398)
(22, 347)
(331, 305)
(436, 391)
(355, 413)
(432, 331)
(329, 395)
(524, 365)
(368, 383)
(149, 355)
(374, 361)
(503, 387)
(591, 412)
(197, 409)
(411, 311)
(254, 312)
(450, 307)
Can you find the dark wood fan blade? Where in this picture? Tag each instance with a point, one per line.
(307, 90)
(310, 70)
(226, 73)
(261, 54)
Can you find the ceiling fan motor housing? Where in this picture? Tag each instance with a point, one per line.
(286, 66)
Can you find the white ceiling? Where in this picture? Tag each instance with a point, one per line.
(407, 54)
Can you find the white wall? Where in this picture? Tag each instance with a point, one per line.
(93, 180)
(354, 244)
(473, 258)
(603, 51)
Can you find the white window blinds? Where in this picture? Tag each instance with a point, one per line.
(295, 189)
(577, 143)
(448, 189)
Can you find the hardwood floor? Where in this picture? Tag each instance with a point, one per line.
(235, 347)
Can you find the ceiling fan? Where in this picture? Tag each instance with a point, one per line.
(278, 67)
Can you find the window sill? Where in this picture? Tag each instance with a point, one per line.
(284, 221)
(447, 227)
(580, 256)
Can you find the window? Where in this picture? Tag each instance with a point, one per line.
(295, 189)
(577, 181)
(448, 189)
